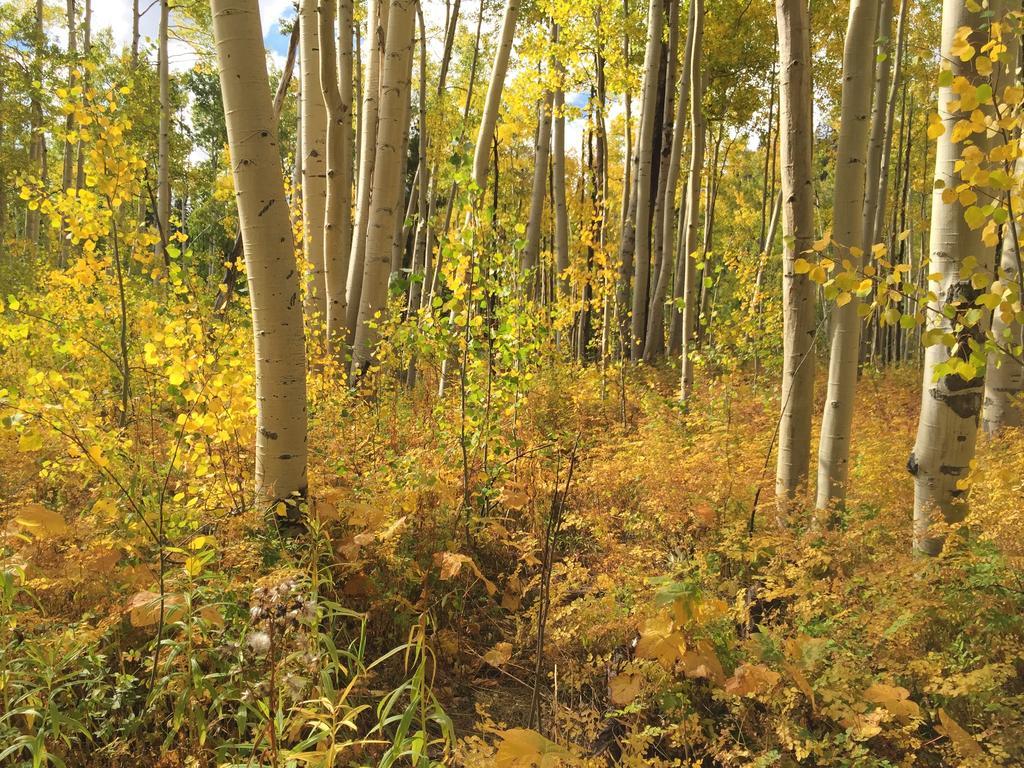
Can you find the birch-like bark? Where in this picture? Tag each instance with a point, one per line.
(558, 179)
(644, 169)
(847, 233)
(86, 48)
(489, 118)
(693, 186)
(269, 255)
(387, 179)
(950, 405)
(796, 136)
(879, 113)
(664, 205)
(163, 177)
(377, 29)
(336, 68)
(531, 251)
(67, 177)
(314, 163)
(890, 118)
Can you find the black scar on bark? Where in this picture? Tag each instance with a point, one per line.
(966, 405)
(267, 207)
(951, 470)
(912, 465)
(268, 434)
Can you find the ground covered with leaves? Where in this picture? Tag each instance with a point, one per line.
(549, 565)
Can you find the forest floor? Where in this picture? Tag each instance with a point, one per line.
(680, 623)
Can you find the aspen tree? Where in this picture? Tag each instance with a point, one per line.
(656, 319)
(67, 177)
(36, 141)
(848, 239)
(269, 255)
(558, 178)
(86, 47)
(387, 179)
(890, 120)
(163, 177)
(688, 241)
(314, 160)
(377, 29)
(950, 404)
(644, 170)
(489, 117)
(877, 141)
(796, 134)
(336, 70)
(531, 250)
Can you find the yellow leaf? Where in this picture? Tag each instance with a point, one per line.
(40, 521)
(751, 680)
(801, 266)
(659, 641)
(499, 654)
(30, 441)
(524, 748)
(622, 689)
(964, 743)
(144, 608)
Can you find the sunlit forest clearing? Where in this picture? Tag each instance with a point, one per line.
(510, 384)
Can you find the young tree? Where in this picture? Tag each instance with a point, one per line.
(269, 256)
(387, 179)
(489, 117)
(951, 398)
(531, 250)
(796, 133)
(163, 178)
(314, 159)
(558, 177)
(687, 267)
(848, 238)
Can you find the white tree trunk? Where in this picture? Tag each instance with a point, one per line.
(336, 70)
(387, 179)
(269, 255)
(796, 133)
(531, 251)
(645, 149)
(847, 233)
(314, 162)
(693, 187)
(163, 178)
(950, 406)
(489, 118)
(377, 30)
(558, 180)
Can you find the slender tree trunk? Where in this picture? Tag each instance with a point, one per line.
(879, 114)
(36, 142)
(314, 162)
(489, 118)
(425, 189)
(135, 34)
(693, 186)
(86, 49)
(335, 69)
(67, 177)
(890, 119)
(531, 250)
(270, 258)
(387, 179)
(847, 234)
(950, 405)
(796, 136)
(645, 148)
(671, 150)
(163, 179)
(377, 29)
(558, 179)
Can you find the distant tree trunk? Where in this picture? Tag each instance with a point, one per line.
(796, 134)
(336, 69)
(645, 149)
(163, 179)
(558, 180)
(664, 205)
(270, 259)
(135, 34)
(879, 114)
(86, 48)
(693, 185)
(890, 119)
(489, 118)
(847, 233)
(36, 142)
(531, 250)
(950, 405)
(387, 179)
(377, 29)
(314, 162)
(67, 177)
(426, 185)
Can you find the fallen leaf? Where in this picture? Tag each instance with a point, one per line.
(144, 608)
(523, 748)
(751, 679)
(622, 689)
(895, 699)
(963, 742)
(499, 654)
(40, 521)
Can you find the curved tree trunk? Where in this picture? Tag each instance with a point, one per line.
(387, 179)
(796, 133)
(270, 258)
(950, 405)
(693, 185)
(847, 233)
(644, 170)
(489, 118)
(336, 69)
(314, 162)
